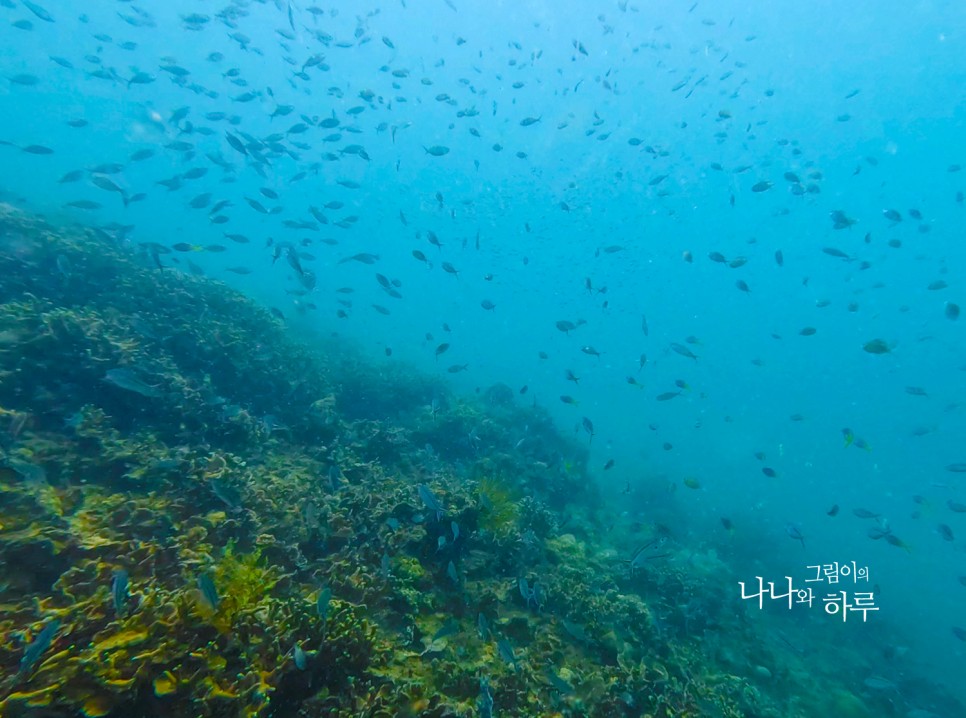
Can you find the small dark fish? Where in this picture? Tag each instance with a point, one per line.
(876, 346)
(236, 143)
(683, 351)
(956, 506)
(795, 533)
(430, 500)
(362, 257)
(436, 150)
(38, 647)
(322, 603)
(762, 186)
(129, 381)
(226, 494)
(945, 532)
(865, 514)
(298, 656)
(960, 633)
(769, 472)
(957, 468)
(668, 395)
(119, 591)
(208, 592)
(506, 652)
(837, 253)
(72, 176)
(441, 349)
(84, 204)
(834, 511)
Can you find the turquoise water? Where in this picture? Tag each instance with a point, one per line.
(655, 124)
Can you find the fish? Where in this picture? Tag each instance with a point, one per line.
(837, 253)
(450, 628)
(484, 703)
(208, 592)
(506, 652)
(876, 346)
(795, 533)
(957, 468)
(362, 257)
(38, 647)
(558, 683)
(865, 513)
(126, 379)
(226, 494)
(840, 220)
(878, 683)
(436, 150)
(299, 657)
(84, 204)
(322, 603)
(683, 351)
(119, 591)
(430, 501)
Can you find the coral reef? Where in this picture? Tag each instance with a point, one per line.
(201, 516)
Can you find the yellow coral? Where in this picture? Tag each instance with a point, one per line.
(500, 509)
(243, 584)
(165, 684)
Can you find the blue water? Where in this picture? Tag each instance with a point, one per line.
(864, 102)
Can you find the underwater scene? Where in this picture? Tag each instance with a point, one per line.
(431, 358)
